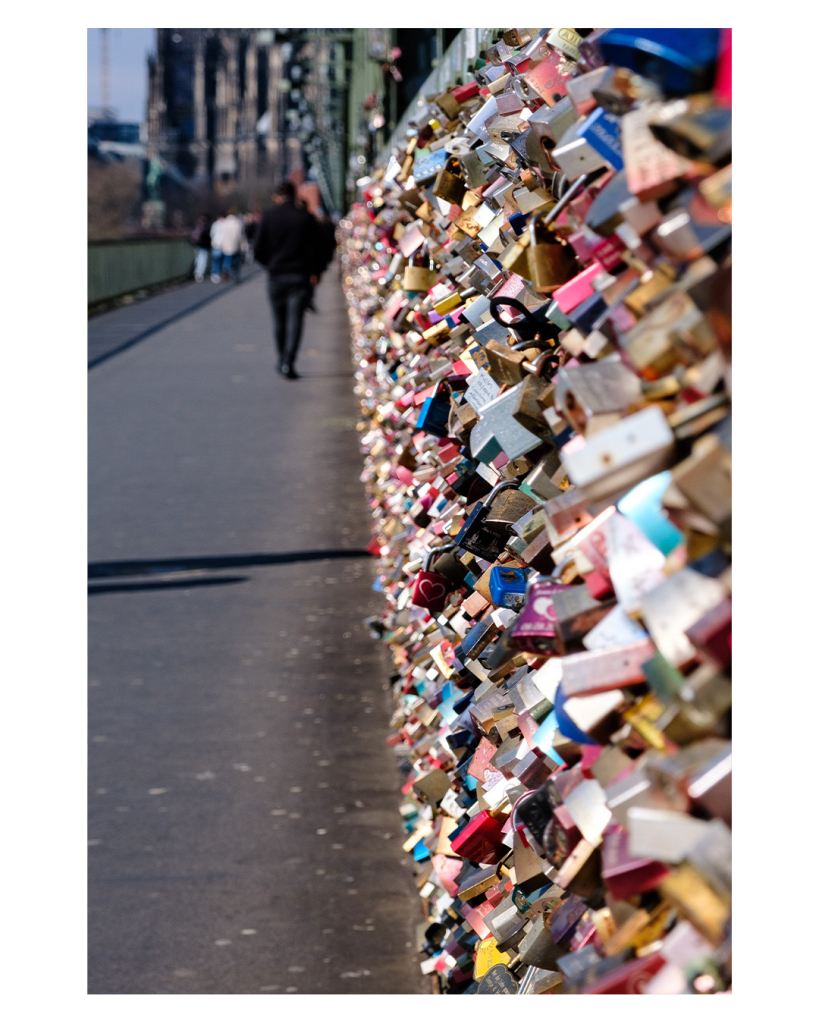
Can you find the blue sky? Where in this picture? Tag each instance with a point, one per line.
(127, 70)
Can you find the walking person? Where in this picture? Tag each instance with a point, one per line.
(287, 245)
(251, 227)
(200, 240)
(216, 248)
(233, 233)
(327, 233)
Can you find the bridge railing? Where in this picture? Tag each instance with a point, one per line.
(127, 265)
(454, 64)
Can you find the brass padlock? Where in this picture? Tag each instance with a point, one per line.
(551, 261)
(419, 274)
(450, 184)
(504, 362)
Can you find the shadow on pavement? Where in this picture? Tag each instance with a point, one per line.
(127, 588)
(179, 315)
(326, 376)
(146, 566)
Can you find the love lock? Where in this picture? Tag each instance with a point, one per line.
(486, 530)
(431, 588)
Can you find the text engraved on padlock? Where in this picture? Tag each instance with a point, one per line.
(498, 981)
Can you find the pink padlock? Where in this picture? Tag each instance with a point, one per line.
(572, 293)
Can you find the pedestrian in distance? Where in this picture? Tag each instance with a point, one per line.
(288, 246)
(327, 233)
(216, 248)
(200, 240)
(251, 227)
(231, 239)
(310, 307)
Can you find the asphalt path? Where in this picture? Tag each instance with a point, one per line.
(244, 835)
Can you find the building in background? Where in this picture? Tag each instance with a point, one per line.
(232, 110)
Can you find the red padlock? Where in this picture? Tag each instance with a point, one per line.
(431, 588)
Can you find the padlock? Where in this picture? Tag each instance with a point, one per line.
(606, 697)
(517, 37)
(566, 41)
(450, 184)
(504, 362)
(419, 274)
(679, 60)
(480, 840)
(485, 531)
(507, 586)
(551, 262)
(535, 628)
(544, 81)
(431, 589)
(694, 128)
(434, 415)
(547, 126)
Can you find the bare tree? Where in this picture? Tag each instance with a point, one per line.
(113, 199)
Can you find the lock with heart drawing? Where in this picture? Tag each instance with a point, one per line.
(431, 588)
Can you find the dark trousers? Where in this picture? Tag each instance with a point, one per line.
(289, 296)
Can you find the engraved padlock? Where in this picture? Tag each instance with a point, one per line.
(419, 274)
(449, 183)
(551, 261)
(431, 588)
(486, 530)
(535, 629)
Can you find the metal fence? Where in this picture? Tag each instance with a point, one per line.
(120, 267)
(454, 64)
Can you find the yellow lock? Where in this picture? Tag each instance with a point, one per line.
(487, 955)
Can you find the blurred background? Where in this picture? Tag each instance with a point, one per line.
(182, 120)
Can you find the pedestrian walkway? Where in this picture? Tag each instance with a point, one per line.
(111, 333)
(243, 830)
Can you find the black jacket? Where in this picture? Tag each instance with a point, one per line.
(200, 236)
(327, 232)
(288, 241)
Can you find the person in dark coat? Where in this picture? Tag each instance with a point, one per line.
(289, 247)
(200, 240)
(327, 232)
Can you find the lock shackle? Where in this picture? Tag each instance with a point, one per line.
(502, 486)
(545, 343)
(438, 550)
(557, 572)
(564, 200)
(526, 981)
(522, 89)
(515, 816)
(499, 300)
(536, 369)
(532, 324)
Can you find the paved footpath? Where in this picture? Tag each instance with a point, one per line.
(244, 835)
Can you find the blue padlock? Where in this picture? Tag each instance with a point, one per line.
(679, 60)
(434, 416)
(507, 585)
(602, 132)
